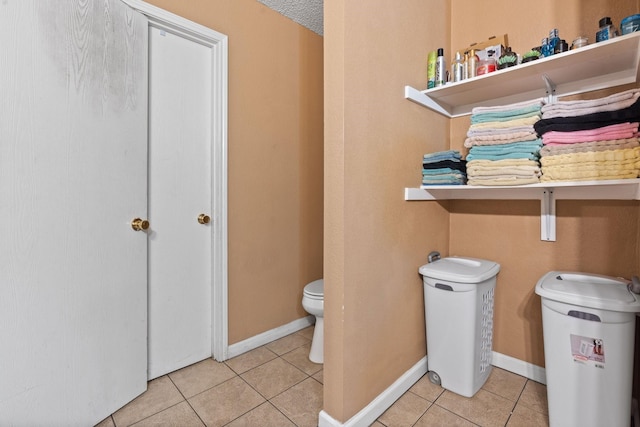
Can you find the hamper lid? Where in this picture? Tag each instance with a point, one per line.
(460, 270)
(588, 290)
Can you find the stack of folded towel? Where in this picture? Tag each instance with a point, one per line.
(591, 139)
(443, 168)
(503, 145)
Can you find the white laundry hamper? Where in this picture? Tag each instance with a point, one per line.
(458, 298)
(588, 324)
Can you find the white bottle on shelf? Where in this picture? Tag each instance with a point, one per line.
(457, 68)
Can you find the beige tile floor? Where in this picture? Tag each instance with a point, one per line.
(277, 386)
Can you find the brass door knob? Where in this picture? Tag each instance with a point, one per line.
(204, 219)
(140, 224)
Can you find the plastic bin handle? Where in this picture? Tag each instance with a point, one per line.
(584, 316)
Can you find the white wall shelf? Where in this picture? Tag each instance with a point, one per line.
(596, 66)
(619, 189)
(547, 193)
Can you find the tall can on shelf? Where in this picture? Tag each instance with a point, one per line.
(471, 64)
(441, 70)
(431, 69)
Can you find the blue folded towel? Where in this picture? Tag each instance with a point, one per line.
(503, 116)
(448, 179)
(513, 147)
(442, 155)
(440, 171)
(515, 150)
(489, 156)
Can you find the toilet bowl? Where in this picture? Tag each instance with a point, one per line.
(313, 303)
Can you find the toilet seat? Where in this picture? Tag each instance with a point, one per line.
(315, 289)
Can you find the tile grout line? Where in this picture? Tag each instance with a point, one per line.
(239, 375)
(457, 415)
(266, 400)
(187, 400)
(283, 414)
(283, 391)
(517, 401)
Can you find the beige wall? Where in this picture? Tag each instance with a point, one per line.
(374, 139)
(374, 240)
(275, 159)
(592, 236)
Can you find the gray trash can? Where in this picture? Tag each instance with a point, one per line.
(588, 323)
(458, 300)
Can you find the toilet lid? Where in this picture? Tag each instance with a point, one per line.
(315, 288)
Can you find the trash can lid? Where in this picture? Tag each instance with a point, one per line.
(588, 290)
(460, 270)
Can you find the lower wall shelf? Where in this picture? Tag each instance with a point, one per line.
(547, 193)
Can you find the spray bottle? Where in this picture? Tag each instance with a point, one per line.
(441, 71)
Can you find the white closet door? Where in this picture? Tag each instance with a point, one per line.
(179, 191)
(73, 132)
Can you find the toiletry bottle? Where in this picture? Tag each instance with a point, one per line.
(441, 76)
(457, 73)
(431, 70)
(579, 42)
(471, 64)
(545, 49)
(561, 47)
(465, 61)
(488, 65)
(607, 30)
(554, 41)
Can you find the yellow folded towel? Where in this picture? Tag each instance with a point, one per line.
(513, 180)
(503, 162)
(610, 155)
(508, 124)
(497, 139)
(588, 175)
(612, 165)
(505, 170)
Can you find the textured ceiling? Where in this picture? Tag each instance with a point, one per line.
(307, 13)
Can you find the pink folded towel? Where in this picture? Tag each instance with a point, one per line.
(618, 131)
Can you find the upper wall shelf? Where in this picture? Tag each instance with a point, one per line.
(596, 66)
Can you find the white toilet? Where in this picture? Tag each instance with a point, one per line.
(313, 303)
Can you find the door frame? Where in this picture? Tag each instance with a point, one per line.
(218, 43)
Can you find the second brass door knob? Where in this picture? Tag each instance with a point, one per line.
(204, 219)
(140, 224)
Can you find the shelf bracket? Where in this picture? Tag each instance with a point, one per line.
(551, 89)
(548, 216)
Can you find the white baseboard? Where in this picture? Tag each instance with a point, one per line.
(520, 367)
(382, 402)
(269, 336)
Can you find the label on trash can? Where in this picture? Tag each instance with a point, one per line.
(587, 350)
